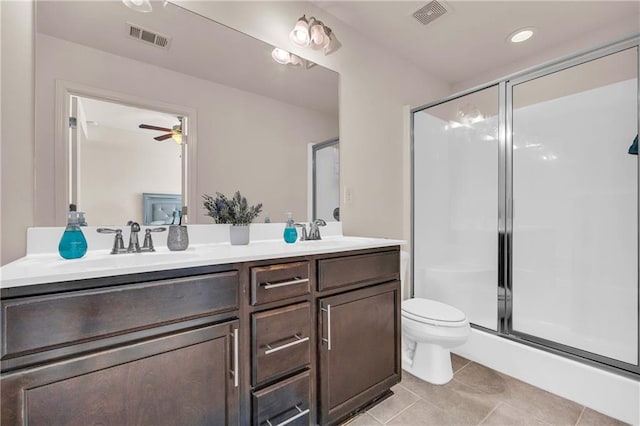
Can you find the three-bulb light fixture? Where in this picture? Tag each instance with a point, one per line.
(309, 32)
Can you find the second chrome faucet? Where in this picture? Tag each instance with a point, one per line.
(314, 230)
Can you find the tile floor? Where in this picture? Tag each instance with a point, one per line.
(477, 395)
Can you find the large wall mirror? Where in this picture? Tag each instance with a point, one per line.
(247, 122)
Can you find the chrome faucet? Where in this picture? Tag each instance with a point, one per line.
(314, 229)
(134, 243)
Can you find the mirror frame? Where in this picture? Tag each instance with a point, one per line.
(66, 89)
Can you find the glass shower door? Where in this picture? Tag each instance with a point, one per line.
(574, 272)
(455, 204)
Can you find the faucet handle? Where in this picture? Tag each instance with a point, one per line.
(118, 243)
(303, 233)
(320, 222)
(147, 245)
(109, 230)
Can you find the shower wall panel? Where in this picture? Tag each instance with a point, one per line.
(575, 215)
(455, 220)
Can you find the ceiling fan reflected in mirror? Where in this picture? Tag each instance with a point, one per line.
(175, 132)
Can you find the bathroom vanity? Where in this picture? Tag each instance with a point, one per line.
(300, 337)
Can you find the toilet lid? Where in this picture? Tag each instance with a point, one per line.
(430, 311)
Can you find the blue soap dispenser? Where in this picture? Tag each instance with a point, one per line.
(73, 244)
(290, 231)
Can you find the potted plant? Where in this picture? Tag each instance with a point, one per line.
(234, 211)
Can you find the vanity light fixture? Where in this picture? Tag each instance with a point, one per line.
(521, 35)
(143, 6)
(283, 57)
(313, 33)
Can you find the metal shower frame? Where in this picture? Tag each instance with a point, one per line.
(505, 201)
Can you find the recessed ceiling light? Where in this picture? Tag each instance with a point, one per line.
(521, 35)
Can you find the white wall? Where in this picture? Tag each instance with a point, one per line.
(245, 141)
(118, 167)
(17, 122)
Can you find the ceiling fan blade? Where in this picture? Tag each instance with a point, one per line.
(163, 137)
(162, 129)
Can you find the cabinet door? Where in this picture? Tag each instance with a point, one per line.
(359, 341)
(182, 378)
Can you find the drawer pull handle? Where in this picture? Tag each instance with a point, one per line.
(328, 339)
(300, 413)
(297, 280)
(234, 372)
(298, 340)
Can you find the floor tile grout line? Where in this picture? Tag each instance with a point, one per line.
(580, 416)
(409, 390)
(490, 412)
(520, 409)
(461, 368)
(398, 413)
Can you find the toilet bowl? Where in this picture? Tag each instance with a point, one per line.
(429, 330)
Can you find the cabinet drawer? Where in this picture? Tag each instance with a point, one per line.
(281, 341)
(278, 282)
(286, 402)
(349, 270)
(37, 323)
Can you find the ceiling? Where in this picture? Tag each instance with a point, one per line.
(470, 38)
(123, 117)
(467, 41)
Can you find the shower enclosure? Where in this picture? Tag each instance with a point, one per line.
(525, 206)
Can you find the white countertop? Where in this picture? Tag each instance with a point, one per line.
(39, 268)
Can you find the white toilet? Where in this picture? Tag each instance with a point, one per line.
(429, 330)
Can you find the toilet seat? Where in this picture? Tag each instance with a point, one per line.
(431, 312)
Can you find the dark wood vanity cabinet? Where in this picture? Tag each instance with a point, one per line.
(300, 341)
(181, 378)
(359, 334)
(282, 343)
(158, 352)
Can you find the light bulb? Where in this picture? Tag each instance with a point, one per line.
(521, 35)
(280, 56)
(300, 33)
(143, 6)
(318, 36)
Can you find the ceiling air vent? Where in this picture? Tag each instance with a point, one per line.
(430, 12)
(148, 36)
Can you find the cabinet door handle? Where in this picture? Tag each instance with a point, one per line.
(234, 372)
(328, 339)
(298, 340)
(299, 414)
(296, 280)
